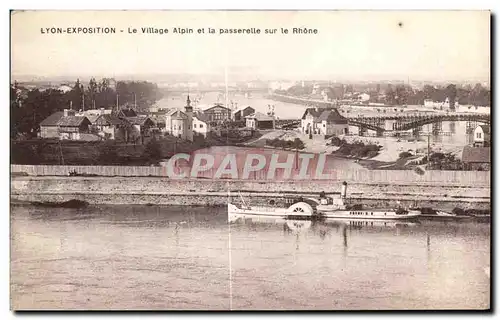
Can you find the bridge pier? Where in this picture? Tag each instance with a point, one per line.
(362, 131)
(452, 127)
(437, 127)
(417, 131)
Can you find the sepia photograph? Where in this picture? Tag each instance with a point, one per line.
(239, 160)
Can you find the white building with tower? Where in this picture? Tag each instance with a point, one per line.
(179, 123)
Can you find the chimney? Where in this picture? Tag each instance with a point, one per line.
(101, 111)
(343, 192)
(65, 112)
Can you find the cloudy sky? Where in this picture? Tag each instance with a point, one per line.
(424, 45)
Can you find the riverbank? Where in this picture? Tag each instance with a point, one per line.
(161, 191)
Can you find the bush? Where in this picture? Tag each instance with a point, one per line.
(405, 154)
(335, 141)
(419, 171)
(286, 144)
(108, 153)
(152, 151)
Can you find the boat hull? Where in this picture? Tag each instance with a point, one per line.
(323, 213)
(348, 215)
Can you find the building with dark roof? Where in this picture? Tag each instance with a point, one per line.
(259, 120)
(110, 126)
(218, 113)
(126, 113)
(141, 126)
(49, 127)
(325, 122)
(240, 114)
(64, 125)
(476, 158)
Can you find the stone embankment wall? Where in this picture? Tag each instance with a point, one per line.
(164, 191)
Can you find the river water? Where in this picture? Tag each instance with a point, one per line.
(137, 257)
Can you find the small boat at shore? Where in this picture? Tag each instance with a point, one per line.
(72, 204)
(324, 208)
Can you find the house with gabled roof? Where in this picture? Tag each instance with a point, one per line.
(218, 113)
(71, 127)
(49, 127)
(324, 121)
(240, 114)
(175, 123)
(141, 125)
(126, 113)
(110, 126)
(259, 120)
(482, 136)
(64, 125)
(201, 124)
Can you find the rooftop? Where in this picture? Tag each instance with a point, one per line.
(52, 119)
(476, 154)
(486, 129)
(259, 117)
(71, 121)
(139, 120)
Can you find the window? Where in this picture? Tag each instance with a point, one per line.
(201, 126)
(175, 127)
(478, 135)
(194, 125)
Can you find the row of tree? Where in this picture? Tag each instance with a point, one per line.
(30, 107)
(402, 94)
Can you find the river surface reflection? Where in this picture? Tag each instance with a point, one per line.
(131, 257)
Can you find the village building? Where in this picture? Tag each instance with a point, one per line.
(476, 158)
(73, 127)
(111, 127)
(179, 123)
(239, 115)
(201, 124)
(93, 114)
(326, 122)
(175, 122)
(141, 126)
(126, 113)
(218, 114)
(260, 121)
(65, 125)
(482, 136)
(49, 129)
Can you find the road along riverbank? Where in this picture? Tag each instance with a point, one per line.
(164, 191)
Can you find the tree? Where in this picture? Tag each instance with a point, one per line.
(75, 95)
(390, 96)
(451, 91)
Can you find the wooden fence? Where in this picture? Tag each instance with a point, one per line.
(466, 178)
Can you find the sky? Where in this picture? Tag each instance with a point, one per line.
(353, 45)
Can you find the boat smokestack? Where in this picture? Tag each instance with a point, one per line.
(343, 191)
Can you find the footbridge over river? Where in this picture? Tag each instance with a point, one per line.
(409, 122)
